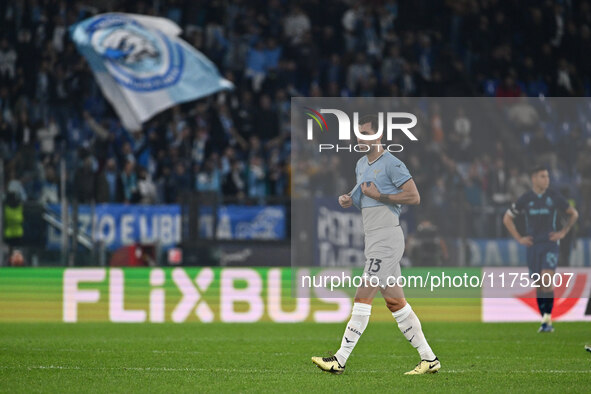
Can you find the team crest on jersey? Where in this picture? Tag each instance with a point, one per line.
(376, 172)
(138, 58)
(549, 201)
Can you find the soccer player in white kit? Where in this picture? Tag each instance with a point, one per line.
(383, 185)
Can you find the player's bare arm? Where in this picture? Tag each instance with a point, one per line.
(573, 215)
(408, 196)
(509, 222)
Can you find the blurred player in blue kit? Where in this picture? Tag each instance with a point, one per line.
(541, 207)
(383, 185)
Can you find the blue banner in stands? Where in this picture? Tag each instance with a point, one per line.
(118, 225)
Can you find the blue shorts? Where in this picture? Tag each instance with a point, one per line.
(542, 256)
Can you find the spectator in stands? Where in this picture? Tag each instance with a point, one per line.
(517, 184)
(498, 183)
(85, 181)
(234, 184)
(15, 186)
(523, 114)
(13, 217)
(109, 185)
(273, 53)
(8, 58)
(350, 21)
(567, 83)
(5, 138)
(129, 183)
(256, 68)
(256, 178)
(267, 120)
(166, 187)
(146, 188)
(296, 25)
(392, 65)
(49, 190)
(181, 182)
(208, 178)
(46, 135)
(357, 72)
(508, 88)
(437, 133)
(24, 136)
(542, 148)
(460, 139)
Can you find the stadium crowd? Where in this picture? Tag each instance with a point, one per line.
(237, 143)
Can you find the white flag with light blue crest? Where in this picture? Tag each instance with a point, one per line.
(142, 67)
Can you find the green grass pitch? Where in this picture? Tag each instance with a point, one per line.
(103, 357)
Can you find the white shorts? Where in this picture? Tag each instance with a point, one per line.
(384, 244)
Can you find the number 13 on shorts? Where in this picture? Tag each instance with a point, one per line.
(372, 265)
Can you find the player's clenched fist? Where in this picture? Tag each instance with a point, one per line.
(345, 201)
(370, 190)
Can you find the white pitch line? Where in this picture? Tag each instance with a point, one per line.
(156, 351)
(68, 350)
(234, 370)
(459, 371)
(510, 372)
(146, 369)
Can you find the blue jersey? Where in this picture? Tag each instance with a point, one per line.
(387, 172)
(541, 212)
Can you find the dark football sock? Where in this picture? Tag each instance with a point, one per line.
(541, 302)
(549, 301)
